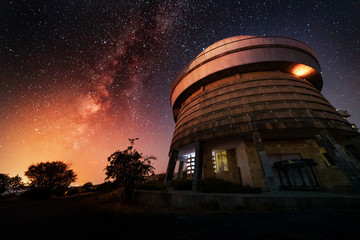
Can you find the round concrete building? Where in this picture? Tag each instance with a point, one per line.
(249, 110)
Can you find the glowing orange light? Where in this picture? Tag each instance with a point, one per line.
(302, 70)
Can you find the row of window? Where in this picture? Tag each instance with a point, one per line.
(220, 162)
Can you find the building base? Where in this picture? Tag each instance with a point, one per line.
(263, 201)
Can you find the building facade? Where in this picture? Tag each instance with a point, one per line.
(249, 110)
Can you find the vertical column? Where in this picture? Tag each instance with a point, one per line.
(199, 156)
(208, 164)
(171, 167)
(243, 164)
(180, 171)
(265, 163)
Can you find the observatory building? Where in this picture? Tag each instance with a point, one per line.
(249, 110)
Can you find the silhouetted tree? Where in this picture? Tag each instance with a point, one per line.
(87, 187)
(15, 184)
(51, 177)
(10, 184)
(129, 166)
(4, 182)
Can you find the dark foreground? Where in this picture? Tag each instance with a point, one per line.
(101, 216)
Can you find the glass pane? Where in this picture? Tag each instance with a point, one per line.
(221, 161)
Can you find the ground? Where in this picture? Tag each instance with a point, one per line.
(98, 215)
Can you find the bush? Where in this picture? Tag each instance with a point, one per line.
(87, 187)
(36, 194)
(72, 191)
(150, 186)
(213, 185)
(158, 178)
(106, 187)
(183, 184)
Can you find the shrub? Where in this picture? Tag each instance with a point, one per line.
(36, 193)
(213, 185)
(87, 187)
(106, 187)
(72, 191)
(183, 184)
(150, 186)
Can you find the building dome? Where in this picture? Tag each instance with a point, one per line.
(223, 42)
(247, 54)
(246, 90)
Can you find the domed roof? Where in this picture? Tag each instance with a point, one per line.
(244, 54)
(224, 42)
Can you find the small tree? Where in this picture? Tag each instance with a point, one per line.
(15, 184)
(4, 183)
(51, 177)
(129, 167)
(10, 184)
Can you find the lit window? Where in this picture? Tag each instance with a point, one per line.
(221, 161)
(302, 70)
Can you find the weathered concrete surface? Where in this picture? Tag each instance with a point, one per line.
(259, 99)
(263, 201)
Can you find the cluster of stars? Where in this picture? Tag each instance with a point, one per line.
(78, 78)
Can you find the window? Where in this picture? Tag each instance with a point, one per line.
(221, 161)
(190, 165)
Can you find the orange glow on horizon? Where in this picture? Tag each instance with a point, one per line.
(78, 130)
(302, 70)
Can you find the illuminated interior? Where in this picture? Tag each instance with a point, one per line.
(221, 161)
(190, 165)
(302, 70)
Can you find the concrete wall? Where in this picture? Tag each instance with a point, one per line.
(245, 85)
(282, 201)
(280, 103)
(330, 176)
(245, 167)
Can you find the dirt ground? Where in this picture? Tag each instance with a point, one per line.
(100, 216)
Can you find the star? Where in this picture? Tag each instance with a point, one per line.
(78, 79)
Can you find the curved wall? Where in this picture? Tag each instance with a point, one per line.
(250, 104)
(278, 104)
(240, 55)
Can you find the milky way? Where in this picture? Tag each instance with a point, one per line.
(78, 78)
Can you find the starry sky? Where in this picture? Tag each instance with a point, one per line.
(78, 78)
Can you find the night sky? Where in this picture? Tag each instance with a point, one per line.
(78, 78)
